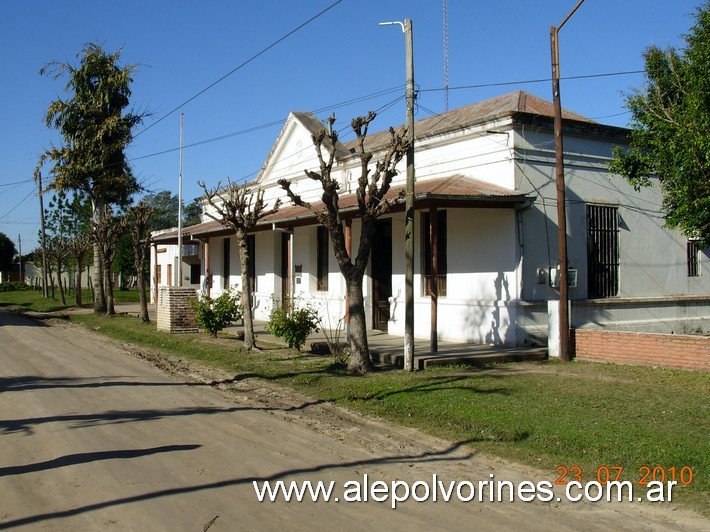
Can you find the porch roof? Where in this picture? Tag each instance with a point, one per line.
(453, 191)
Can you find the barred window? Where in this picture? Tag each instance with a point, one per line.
(692, 253)
(602, 251)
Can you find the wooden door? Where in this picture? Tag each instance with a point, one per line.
(381, 268)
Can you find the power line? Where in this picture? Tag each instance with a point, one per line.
(338, 105)
(16, 183)
(16, 206)
(528, 81)
(252, 58)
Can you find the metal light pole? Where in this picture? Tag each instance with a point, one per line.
(560, 181)
(409, 200)
(179, 264)
(45, 290)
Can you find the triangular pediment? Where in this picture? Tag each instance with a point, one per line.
(293, 152)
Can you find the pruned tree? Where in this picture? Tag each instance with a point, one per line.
(58, 216)
(106, 233)
(78, 246)
(139, 218)
(240, 207)
(95, 131)
(670, 121)
(372, 188)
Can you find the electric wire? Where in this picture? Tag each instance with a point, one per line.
(16, 183)
(239, 67)
(267, 125)
(541, 80)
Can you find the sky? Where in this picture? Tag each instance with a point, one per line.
(236, 68)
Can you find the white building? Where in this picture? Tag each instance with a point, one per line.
(486, 173)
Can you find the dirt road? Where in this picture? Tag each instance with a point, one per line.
(93, 437)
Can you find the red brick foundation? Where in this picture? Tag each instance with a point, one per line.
(664, 350)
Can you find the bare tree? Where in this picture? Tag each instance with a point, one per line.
(240, 207)
(371, 191)
(78, 246)
(105, 234)
(57, 251)
(139, 226)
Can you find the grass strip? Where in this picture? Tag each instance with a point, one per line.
(545, 414)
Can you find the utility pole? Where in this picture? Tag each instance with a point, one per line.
(560, 181)
(44, 237)
(19, 243)
(409, 199)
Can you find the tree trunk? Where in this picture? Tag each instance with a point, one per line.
(62, 297)
(99, 294)
(144, 300)
(77, 284)
(110, 307)
(359, 360)
(249, 339)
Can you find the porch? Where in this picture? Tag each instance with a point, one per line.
(387, 350)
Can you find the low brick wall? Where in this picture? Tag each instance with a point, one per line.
(173, 311)
(665, 350)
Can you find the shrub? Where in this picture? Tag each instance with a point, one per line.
(14, 285)
(294, 326)
(214, 315)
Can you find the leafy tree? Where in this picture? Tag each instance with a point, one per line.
(95, 130)
(192, 213)
(371, 190)
(670, 121)
(7, 251)
(165, 210)
(240, 207)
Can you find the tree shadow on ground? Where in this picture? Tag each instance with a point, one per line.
(449, 454)
(85, 458)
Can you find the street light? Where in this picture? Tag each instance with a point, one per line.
(409, 200)
(563, 352)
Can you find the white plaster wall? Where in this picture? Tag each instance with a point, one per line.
(482, 278)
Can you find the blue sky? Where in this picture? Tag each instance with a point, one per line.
(181, 47)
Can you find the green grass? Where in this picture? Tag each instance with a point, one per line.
(33, 300)
(545, 414)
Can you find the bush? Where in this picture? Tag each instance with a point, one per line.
(214, 315)
(294, 326)
(14, 285)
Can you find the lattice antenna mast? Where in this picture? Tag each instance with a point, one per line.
(446, 57)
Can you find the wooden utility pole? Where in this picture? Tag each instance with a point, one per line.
(560, 181)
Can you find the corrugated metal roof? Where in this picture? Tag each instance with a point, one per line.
(455, 189)
(480, 112)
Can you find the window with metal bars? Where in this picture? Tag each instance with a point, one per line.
(692, 251)
(602, 251)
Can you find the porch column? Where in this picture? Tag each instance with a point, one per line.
(208, 271)
(155, 273)
(434, 279)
